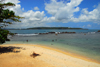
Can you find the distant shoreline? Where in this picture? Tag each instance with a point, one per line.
(35, 28)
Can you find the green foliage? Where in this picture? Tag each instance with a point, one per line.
(8, 4)
(4, 15)
(7, 14)
(3, 35)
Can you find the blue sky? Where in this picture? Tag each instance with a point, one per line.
(57, 13)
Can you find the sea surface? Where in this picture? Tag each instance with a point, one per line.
(83, 42)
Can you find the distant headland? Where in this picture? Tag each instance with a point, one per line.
(42, 28)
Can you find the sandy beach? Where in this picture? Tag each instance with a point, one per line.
(21, 55)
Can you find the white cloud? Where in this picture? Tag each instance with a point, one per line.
(17, 8)
(63, 12)
(23, 9)
(94, 6)
(31, 15)
(88, 25)
(32, 19)
(36, 8)
(89, 16)
(60, 12)
(12, 1)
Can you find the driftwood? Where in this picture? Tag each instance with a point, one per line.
(34, 55)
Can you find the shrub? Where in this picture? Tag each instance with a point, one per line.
(3, 35)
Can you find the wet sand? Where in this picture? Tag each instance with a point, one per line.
(20, 56)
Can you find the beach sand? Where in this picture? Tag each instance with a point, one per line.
(20, 56)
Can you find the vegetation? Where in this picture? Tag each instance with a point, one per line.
(6, 14)
(3, 35)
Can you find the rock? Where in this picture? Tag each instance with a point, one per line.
(67, 32)
(52, 40)
(43, 33)
(98, 30)
(7, 39)
(52, 32)
(15, 33)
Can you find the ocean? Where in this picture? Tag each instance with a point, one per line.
(84, 42)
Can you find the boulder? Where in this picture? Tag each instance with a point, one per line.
(52, 32)
(98, 30)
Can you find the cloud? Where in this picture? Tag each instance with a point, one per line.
(63, 12)
(36, 8)
(31, 15)
(17, 8)
(12, 1)
(88, 25)
(22, 9)
(89, 16)
(59, 11)
(94, 6)
(32, 18)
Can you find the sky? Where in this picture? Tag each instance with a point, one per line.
(57, 13)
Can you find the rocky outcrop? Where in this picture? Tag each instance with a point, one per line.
(51, 32)
(67, 32)
(58, 33)
(98, 30)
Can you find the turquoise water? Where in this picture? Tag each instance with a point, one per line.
(51, 30)
(87, 44)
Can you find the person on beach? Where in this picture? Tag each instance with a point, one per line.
(27, 40)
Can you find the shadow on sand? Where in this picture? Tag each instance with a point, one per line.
(10, 49)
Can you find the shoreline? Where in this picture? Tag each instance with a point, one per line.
(61, 55)
(70, 54)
